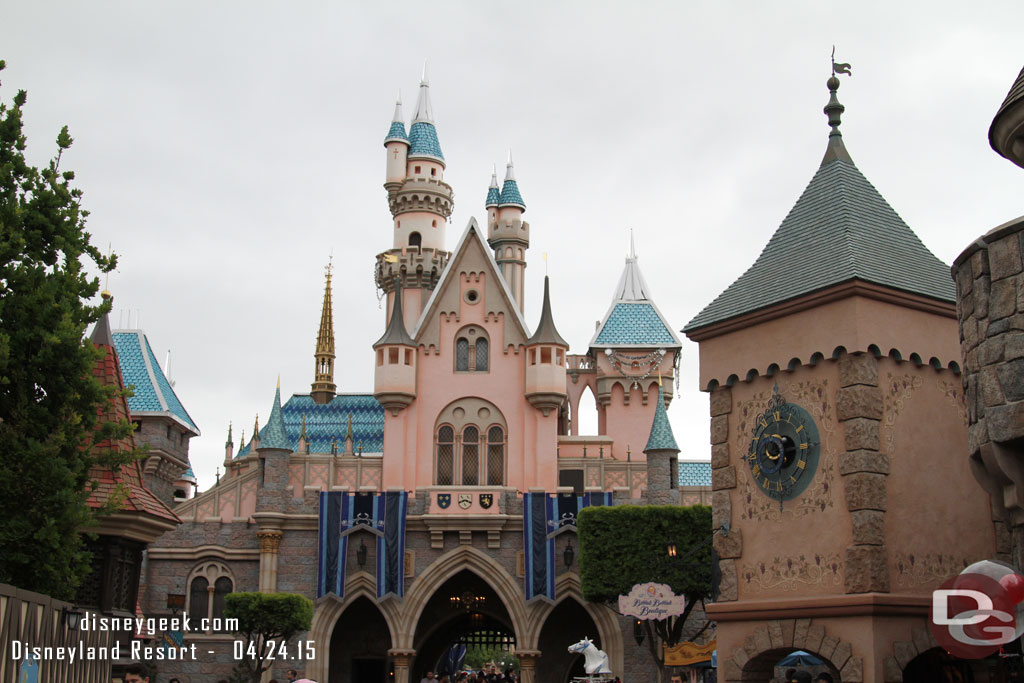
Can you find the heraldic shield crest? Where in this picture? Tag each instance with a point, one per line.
(444, 500)
(465, 500)
(486, 500)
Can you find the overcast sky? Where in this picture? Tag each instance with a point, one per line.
(225, 149)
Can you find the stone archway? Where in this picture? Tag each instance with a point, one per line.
(609, 632)
(773, 640)
(465, 557)
(328, 610)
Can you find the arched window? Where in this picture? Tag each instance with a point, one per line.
(415, 239)
(470, 456)
(210, 582)
(462, 354)
(199, 598)
(445, 455)
(472, 350)
(481, 355)
(495, 456)
(221, 588)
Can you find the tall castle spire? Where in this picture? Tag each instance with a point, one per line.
(323, 382)
(507, 232)
(421, 203)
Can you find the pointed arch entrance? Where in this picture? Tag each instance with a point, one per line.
(465, 610)
(359, 645)
(568, 623)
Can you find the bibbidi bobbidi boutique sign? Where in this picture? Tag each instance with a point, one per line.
(651, 601)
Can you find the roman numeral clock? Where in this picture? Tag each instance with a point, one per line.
(784, 449)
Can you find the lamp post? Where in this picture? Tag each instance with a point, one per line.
(638, 632)
(72, 617)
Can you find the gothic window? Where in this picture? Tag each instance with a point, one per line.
(415, 239)
(495, 456)
(481, 355)
(445, 455)
(209, 584)
(199, 598)
(462, 354)
(470, 456)
(472, 350)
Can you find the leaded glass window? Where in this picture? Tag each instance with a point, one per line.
(495, 457)
(221, 588)
(481, 355)
(445, 455)
(462, 354)
(470, 456)
(199, 598)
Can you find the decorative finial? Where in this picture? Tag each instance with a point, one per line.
(834, 110)
(105, 294)
(632, 246)
(218, 475)
(256, 426)
(302, 431)
(545, 264)
(241, 443)
(229, 434)
(279, 380)
(424, 80)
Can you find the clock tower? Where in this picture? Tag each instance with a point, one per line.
(837, 424)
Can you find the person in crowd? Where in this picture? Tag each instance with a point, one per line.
(136, 673)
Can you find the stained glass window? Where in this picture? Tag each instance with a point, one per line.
(462, 354)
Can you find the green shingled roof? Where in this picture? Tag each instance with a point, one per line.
(274, 434)
(661, 438)
(840, 229)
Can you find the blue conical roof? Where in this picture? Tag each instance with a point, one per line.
(274, 434)
(661, 438)
(423, 141)
(510, 189)
(493, 193)
(397, 131)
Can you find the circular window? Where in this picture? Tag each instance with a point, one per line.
(472, 296)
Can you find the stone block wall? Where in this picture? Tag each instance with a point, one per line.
(989, 278)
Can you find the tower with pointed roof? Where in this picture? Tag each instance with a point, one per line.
(832, 364)
(421, 203)
(662, 457)
(323, 389)
(632, 345)
(507, 232)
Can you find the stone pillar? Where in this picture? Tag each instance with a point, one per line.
(864, 469)
(401, 660)
(723, 480)
(270, 543)
(989, 278)
(527, 665)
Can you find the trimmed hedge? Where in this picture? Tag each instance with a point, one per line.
(623, 545)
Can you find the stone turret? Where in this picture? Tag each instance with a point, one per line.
(662, 458)
(545, 362)
(323, 389)
(420, 202)
(394, 377)
(507, 232)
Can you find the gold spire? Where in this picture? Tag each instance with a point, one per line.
(323, 371)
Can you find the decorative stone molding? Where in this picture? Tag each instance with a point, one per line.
(989, 278)
(903, 651)
(860, 408)
(270, 541)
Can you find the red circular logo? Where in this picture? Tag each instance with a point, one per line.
(972, 616)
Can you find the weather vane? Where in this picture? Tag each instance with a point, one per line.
(840, 68)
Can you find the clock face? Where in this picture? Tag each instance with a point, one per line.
(783, 453)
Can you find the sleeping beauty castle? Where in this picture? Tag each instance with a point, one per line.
(440, 507)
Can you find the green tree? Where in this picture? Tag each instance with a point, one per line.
(268, 621)
(625, 545)
(49, 399)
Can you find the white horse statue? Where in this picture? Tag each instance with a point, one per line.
(597, 660)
